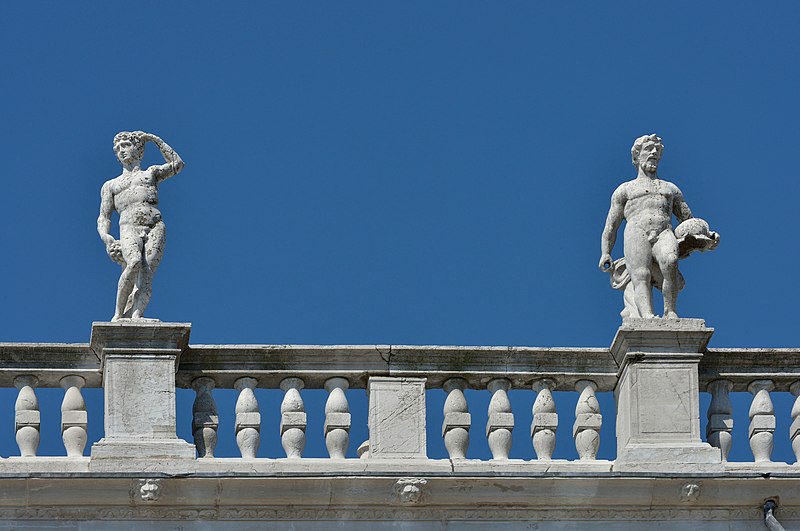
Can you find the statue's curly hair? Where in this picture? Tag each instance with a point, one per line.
(637, 146)
(134, 137)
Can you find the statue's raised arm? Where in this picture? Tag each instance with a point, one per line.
(174, 163)
(142, 233)
(651, 247)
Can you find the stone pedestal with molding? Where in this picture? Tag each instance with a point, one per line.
(658, 394)
(138, 361)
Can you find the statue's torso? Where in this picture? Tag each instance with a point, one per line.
(649, 204)
(136, 198)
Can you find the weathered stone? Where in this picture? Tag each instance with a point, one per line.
(337, 418)
(499, 421)
(587, 421)
(248, 420)
(397, 418)
(761, 423)
(720, 422)
(652, 249)
(74, 418)
(134, 195)
(658, 417)
(456, 419)
(293, 418)
(139, 361)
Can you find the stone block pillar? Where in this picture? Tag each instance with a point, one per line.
(139, 360)
(658, 395)
(397, 418)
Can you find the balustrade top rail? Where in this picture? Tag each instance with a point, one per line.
(744, 365)
(478, 365)
(50, 362)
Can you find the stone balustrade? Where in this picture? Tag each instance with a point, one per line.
(396, 381)
(760, 372)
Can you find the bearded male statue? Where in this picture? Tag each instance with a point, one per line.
(142, 234)
(651, 247)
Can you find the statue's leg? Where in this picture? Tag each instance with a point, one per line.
(153, 251)
(131, 244)
(665, 252)
(638, 257)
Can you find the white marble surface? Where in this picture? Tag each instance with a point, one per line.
(397, 418)
(651, 247)
(142, 233)
(139, 361)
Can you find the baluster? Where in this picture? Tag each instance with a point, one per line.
(337, 418)
(720, 417)
(794, 429)
(457, 420)
(501, 419)
(74, 419)
(293, 418)
(248, 418)
(363, 450)
(762, 420)
(588, 421)
(545, 419)
(205, 420)
(26, 415)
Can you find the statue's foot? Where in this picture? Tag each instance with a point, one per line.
(670, 315)
(650, 316)
(116, 317)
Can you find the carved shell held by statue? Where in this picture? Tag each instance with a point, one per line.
(693, 235)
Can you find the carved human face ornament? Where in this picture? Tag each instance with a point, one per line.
(649, 156)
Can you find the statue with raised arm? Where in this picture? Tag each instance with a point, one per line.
(142, 234)
(651, 247)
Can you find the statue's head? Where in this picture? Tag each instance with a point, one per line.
(129, 147)
(646, 152)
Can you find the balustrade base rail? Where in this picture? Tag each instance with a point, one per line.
(238, 467)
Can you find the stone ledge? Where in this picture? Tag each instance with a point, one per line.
(325, 467)
(502, 499)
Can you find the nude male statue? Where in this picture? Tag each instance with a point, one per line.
(651, 248)
(142, 234)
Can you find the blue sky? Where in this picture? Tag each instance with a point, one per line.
(416, 172)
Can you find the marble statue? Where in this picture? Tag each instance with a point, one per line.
(142, 234)
(651, 247)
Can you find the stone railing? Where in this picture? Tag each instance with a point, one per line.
(29, 366)
(760, 372)
(396, 379)
(656, 370)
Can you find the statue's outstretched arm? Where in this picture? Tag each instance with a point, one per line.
(613, 221)
(174, 162)
(680, 208)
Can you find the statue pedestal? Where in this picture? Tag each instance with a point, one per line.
(658, 395)
(138, 361)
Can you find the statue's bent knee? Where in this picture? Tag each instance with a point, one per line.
(640, 274)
